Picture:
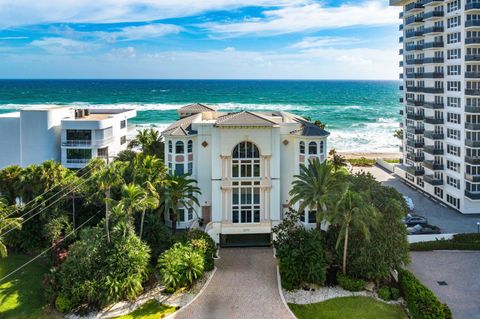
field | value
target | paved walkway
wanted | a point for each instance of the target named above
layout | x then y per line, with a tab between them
244	286
459	269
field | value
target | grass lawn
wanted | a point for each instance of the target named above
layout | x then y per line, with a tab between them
347	308
22	295
150	310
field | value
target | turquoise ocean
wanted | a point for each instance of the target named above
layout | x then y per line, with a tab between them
361	115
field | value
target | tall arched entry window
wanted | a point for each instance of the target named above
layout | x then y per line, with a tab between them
246	183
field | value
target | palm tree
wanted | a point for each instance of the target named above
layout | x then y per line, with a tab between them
352	211
337	160
398	134
314	187
7	223
108	177
136	199
179	191
11	178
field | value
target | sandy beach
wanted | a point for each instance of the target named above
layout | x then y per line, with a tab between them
371	155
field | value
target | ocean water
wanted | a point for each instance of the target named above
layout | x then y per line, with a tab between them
361	115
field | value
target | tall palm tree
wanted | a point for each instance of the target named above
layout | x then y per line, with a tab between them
314	187
149	172
6	223
352	211
108	177
180	191
337	160
136	199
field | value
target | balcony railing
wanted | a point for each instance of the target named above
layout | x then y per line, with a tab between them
433	105
415	130
415	47
411	34
472	178
432	150
432	30
432	180
433	14
400	27
472	57
415	103
474	160
432	165
415	144
88	142
427	2
416	158
472	109
413	6
472	143
472	75
472	6
434	120
425	75
472	195
415	117
472	126
400	51
472	91
472	23
417	171
472	40
434	135
435	44
413	19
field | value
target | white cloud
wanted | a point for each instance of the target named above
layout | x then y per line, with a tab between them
309	17
63	45
229	49
13	38
128	52
27	12
146	31
325	41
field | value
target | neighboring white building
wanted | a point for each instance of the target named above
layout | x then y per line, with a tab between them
61	133
244	163
441	83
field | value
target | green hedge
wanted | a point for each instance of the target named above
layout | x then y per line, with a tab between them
350	284
458	242
362	161
421	301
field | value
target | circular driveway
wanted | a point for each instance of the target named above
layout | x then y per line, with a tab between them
244	286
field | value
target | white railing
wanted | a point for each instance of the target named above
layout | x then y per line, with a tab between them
78	160
88	142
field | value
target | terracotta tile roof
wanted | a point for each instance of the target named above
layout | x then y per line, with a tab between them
308	129
181	127
244	119
196	108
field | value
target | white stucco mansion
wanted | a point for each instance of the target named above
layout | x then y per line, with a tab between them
244	163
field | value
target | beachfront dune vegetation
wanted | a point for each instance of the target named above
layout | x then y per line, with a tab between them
100	230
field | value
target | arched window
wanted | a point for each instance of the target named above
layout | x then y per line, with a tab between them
312	148
302	147
170	146
189	146
179	147
245	161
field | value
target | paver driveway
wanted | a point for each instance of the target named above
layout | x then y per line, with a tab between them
244	286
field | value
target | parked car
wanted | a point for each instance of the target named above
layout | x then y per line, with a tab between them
409	202
411	220
423	230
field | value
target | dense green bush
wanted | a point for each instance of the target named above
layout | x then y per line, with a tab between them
384	293
180	266
209	251
362	161
467	238
302	259
63	304
421	301
350	284
97	273
458	242
156	235
395	293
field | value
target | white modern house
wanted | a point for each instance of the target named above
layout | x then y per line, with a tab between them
61	133
244	163
441	85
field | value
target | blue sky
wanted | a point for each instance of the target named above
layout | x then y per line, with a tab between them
232	39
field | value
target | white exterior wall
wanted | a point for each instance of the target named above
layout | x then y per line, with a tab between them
10	139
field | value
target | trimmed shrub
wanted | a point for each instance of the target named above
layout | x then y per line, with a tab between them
421	301
458	242
180	266
384	293
302	259
467	238
395	293
209	250
63	304
350	284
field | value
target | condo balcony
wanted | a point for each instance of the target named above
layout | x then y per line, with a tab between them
474	160
400	40
414	61
412	7
400	64
432	60
432	180
87	142
415	116
472	6
415	144
400	15
416	158
415	130
472	126
432	150
401	112
433	135
432	2
472	195
472	40
400	27
433	105
472	178
472	143
415	102
413	19
417	171
472	23
415	47
433	30
400	51
472	109
472	75
433	15
432	165
434	120
434	44
475	92
400	87
400	100
425	75
472	57
411	34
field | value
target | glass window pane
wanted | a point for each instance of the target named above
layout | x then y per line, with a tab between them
256	216
235	216
179	147
256	197
179	169
312	216
235	196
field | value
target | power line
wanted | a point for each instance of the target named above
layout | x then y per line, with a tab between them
38	196
48	249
